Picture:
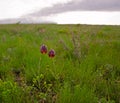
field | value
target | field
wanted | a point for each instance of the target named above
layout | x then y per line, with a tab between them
85	69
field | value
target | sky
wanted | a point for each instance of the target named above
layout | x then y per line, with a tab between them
61	11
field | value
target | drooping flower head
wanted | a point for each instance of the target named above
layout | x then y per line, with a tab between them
43	49
51	53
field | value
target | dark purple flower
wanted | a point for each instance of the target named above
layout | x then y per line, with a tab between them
51	53
43	49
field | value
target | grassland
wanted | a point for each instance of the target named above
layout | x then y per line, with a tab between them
85	69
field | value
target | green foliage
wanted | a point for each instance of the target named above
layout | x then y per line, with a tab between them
78	94
9	92
85	69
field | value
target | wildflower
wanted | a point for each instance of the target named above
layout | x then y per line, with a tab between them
51	53
43	49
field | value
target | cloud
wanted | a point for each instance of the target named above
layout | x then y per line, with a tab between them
27	20
80	5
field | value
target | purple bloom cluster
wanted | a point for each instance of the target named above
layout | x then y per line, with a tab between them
43	50
51	53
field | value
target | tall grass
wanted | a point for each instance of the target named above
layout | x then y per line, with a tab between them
85	69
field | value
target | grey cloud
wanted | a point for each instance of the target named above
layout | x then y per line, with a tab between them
25	21
80	5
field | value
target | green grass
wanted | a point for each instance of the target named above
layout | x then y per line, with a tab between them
85	69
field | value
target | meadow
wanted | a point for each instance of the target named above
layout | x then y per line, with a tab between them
85	69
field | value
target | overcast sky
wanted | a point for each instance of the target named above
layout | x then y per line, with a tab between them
62	11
